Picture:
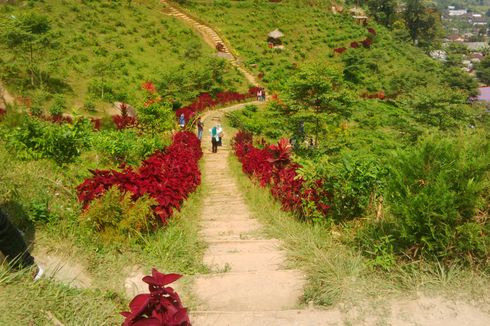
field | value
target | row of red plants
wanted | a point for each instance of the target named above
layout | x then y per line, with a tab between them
206	101
367	42
162	306
168	176
272	166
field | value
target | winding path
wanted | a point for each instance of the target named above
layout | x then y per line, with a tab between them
212	38
249	286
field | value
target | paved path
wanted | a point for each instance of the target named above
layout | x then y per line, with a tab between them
212	38
249	286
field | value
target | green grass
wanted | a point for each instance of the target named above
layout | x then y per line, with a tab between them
312	32
112	44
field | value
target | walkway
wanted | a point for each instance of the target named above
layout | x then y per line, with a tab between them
212	38
248	285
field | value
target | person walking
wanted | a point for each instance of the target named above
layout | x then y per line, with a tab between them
182	121
14	248
214	139
219	130
200	128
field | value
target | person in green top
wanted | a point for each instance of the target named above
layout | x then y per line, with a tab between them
214	139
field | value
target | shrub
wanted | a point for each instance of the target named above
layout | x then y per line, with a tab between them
125	146
35	139
272	166
115	217
162	306
168	177
435	193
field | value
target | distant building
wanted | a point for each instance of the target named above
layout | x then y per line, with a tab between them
457	12
439	55
476	46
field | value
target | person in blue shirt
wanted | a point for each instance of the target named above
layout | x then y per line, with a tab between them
182	121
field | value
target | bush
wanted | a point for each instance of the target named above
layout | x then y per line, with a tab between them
115	217
168	177
36	139
125	146
355	183
435	193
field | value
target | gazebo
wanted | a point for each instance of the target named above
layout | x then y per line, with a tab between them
274	37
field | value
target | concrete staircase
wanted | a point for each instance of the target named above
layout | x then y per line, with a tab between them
249	285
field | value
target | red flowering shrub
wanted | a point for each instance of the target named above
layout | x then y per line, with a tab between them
149	87
367	43
205	101
354	45
168	177
96	122
162	306
58	118
340	50
123	120
371	31
272	166
2	112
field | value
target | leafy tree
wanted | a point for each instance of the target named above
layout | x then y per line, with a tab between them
483	70
317	93
384	11
423	22
438	106
27	34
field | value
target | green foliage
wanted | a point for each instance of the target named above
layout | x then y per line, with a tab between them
384	11
116	218
483	70
125	146
440	107
316	95
36	139
106	50
435	193
354	182
58	106
423	22
156	118
26	34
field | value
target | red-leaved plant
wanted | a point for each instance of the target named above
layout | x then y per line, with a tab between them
168	177
124	120
272	166
161	307
205	101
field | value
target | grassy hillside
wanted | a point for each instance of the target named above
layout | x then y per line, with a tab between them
312	32
103	50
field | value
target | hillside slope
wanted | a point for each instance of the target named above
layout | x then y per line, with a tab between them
103	51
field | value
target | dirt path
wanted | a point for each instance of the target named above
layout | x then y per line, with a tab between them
212	38
248	285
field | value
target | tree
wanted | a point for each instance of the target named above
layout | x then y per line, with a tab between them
483	71
423	22
384	11
317	93
27	35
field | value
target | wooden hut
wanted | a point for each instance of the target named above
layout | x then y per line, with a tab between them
274	38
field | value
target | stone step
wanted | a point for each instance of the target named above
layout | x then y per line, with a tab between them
277	290
246	225
245	262
242	246
269	318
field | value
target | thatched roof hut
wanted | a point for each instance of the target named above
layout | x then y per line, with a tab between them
275	34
